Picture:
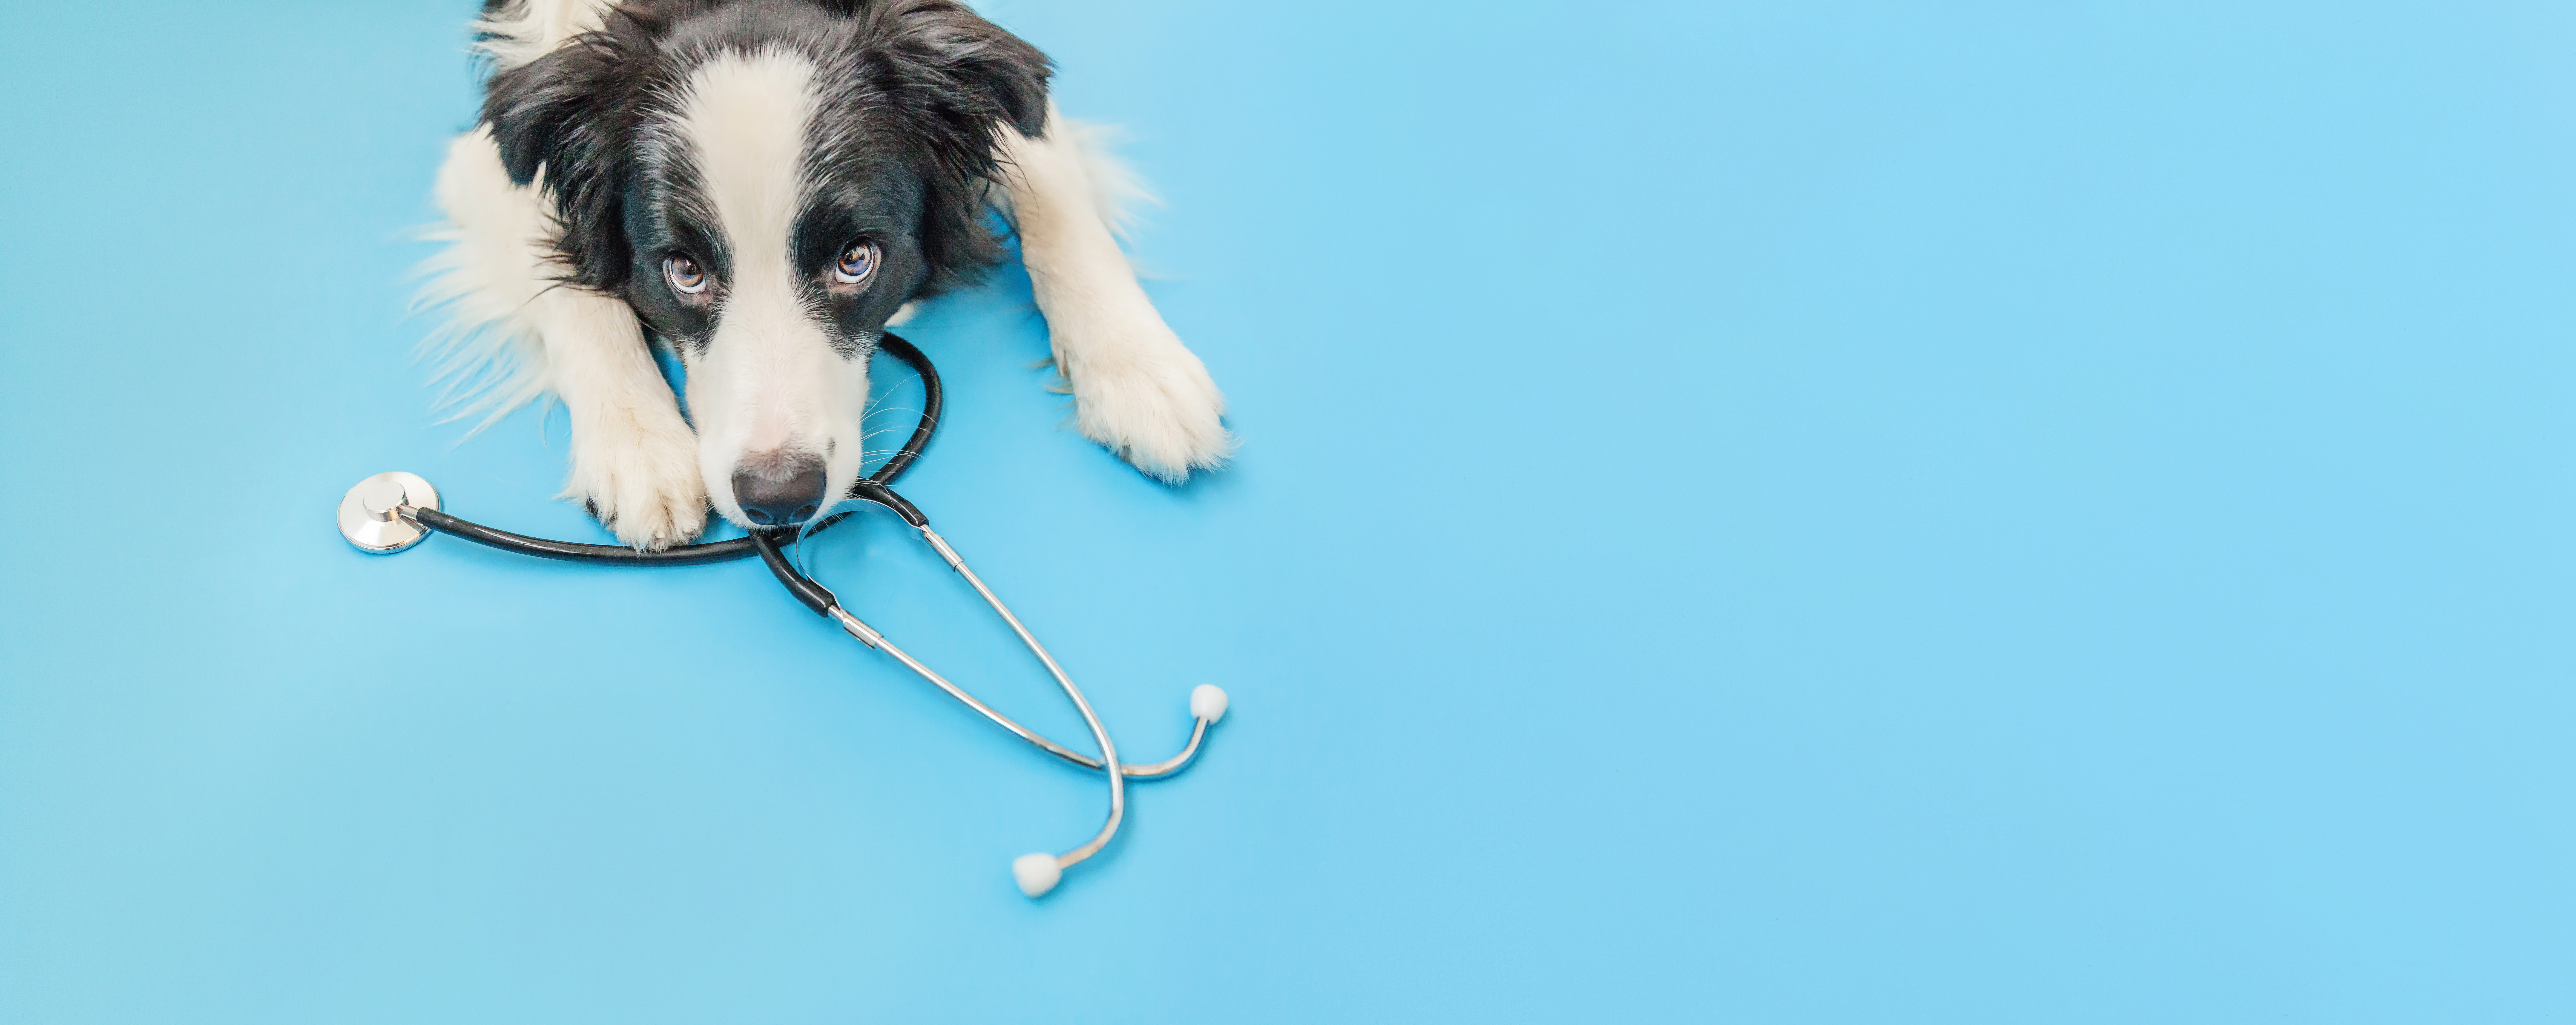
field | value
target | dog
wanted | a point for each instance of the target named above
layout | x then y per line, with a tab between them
766	185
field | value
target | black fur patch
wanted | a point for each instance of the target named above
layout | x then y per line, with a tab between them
913	92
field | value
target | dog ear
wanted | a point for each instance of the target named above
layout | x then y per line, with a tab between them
953	81
969	68
562	121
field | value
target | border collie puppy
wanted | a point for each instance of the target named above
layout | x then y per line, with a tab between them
766	184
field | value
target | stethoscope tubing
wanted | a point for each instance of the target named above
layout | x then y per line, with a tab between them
933	398
1036	872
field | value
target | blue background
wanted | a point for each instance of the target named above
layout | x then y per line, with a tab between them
1747	512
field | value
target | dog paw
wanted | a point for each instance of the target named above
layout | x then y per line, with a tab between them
1148	398
639	476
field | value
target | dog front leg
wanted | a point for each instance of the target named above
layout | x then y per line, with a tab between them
1136	388
634	459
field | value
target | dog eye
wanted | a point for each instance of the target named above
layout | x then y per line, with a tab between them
684	274
857	262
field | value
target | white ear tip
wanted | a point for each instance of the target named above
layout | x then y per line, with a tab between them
1207	702
1037	873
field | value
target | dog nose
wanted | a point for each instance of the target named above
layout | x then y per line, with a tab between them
782	490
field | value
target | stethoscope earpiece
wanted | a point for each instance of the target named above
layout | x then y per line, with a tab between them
1207	703
1036	873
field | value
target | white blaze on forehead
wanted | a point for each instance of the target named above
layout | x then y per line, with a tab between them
770	380
746	117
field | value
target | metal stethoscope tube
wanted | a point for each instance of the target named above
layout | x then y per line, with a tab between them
393	511
870	637
1035	873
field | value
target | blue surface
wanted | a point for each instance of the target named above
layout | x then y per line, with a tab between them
2046	512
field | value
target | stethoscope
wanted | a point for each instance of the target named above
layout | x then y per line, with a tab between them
390	512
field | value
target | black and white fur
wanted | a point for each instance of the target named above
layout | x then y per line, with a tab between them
769	146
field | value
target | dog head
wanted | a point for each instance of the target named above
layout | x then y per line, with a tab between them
766	182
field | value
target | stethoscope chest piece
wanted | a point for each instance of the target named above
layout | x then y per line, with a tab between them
369	516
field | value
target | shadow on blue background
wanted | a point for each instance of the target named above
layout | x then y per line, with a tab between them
2045	512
